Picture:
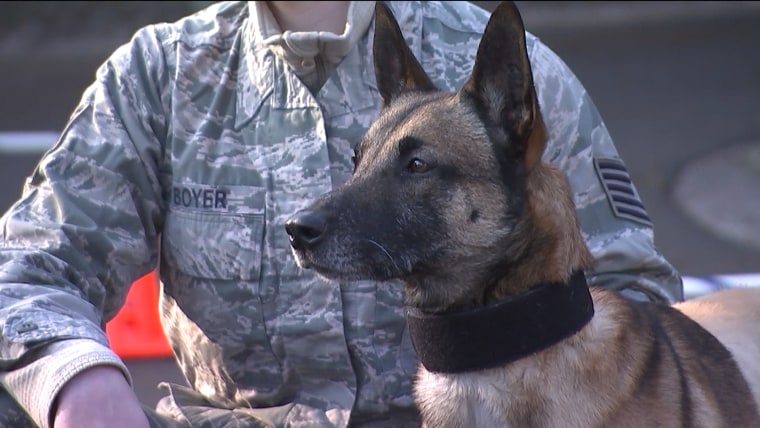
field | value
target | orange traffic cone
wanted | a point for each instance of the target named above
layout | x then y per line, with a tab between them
136	332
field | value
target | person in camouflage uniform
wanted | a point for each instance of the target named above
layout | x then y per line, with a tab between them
194	144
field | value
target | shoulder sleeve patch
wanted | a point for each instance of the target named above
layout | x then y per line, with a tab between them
621	193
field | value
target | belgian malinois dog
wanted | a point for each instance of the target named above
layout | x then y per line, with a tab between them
451	197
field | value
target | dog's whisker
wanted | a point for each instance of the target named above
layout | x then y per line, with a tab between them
386	253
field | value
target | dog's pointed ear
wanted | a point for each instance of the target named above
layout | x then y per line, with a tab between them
501	84
396	68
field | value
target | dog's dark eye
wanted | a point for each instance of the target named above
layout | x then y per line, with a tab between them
418	166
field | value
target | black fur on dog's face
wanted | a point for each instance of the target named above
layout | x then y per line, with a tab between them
438	189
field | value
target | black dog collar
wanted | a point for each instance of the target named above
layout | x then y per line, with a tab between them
489	336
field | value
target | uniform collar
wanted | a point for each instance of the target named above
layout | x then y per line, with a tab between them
264	76
299	49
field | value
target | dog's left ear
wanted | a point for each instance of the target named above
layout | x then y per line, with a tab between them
396	68
501	85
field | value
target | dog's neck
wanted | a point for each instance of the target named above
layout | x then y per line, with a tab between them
553	245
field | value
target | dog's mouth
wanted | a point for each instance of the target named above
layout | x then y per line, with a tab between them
306	260
347	270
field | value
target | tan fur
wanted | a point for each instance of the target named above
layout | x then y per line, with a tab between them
553	214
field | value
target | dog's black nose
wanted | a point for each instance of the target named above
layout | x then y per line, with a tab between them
305	228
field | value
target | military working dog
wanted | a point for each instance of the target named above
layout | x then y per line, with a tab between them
451	196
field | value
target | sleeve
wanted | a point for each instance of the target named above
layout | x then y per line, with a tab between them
612	216
85	228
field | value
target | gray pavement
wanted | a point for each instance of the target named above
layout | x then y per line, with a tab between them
678	84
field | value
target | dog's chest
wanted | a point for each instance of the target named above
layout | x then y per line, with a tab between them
489	398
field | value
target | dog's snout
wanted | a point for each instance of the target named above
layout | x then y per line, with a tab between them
305	228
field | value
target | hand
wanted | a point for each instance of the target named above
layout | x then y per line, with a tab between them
98	397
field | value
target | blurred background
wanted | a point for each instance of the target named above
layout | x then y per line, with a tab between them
678	84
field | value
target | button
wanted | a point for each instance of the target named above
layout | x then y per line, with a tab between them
26	327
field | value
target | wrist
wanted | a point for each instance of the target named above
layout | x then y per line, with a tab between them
87	388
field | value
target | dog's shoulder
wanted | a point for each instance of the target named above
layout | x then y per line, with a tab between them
648	337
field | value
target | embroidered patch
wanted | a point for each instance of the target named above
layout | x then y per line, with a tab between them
621	193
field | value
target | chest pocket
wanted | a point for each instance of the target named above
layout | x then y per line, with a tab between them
213	245
223	242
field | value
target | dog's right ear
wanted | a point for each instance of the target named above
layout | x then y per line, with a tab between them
396	68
